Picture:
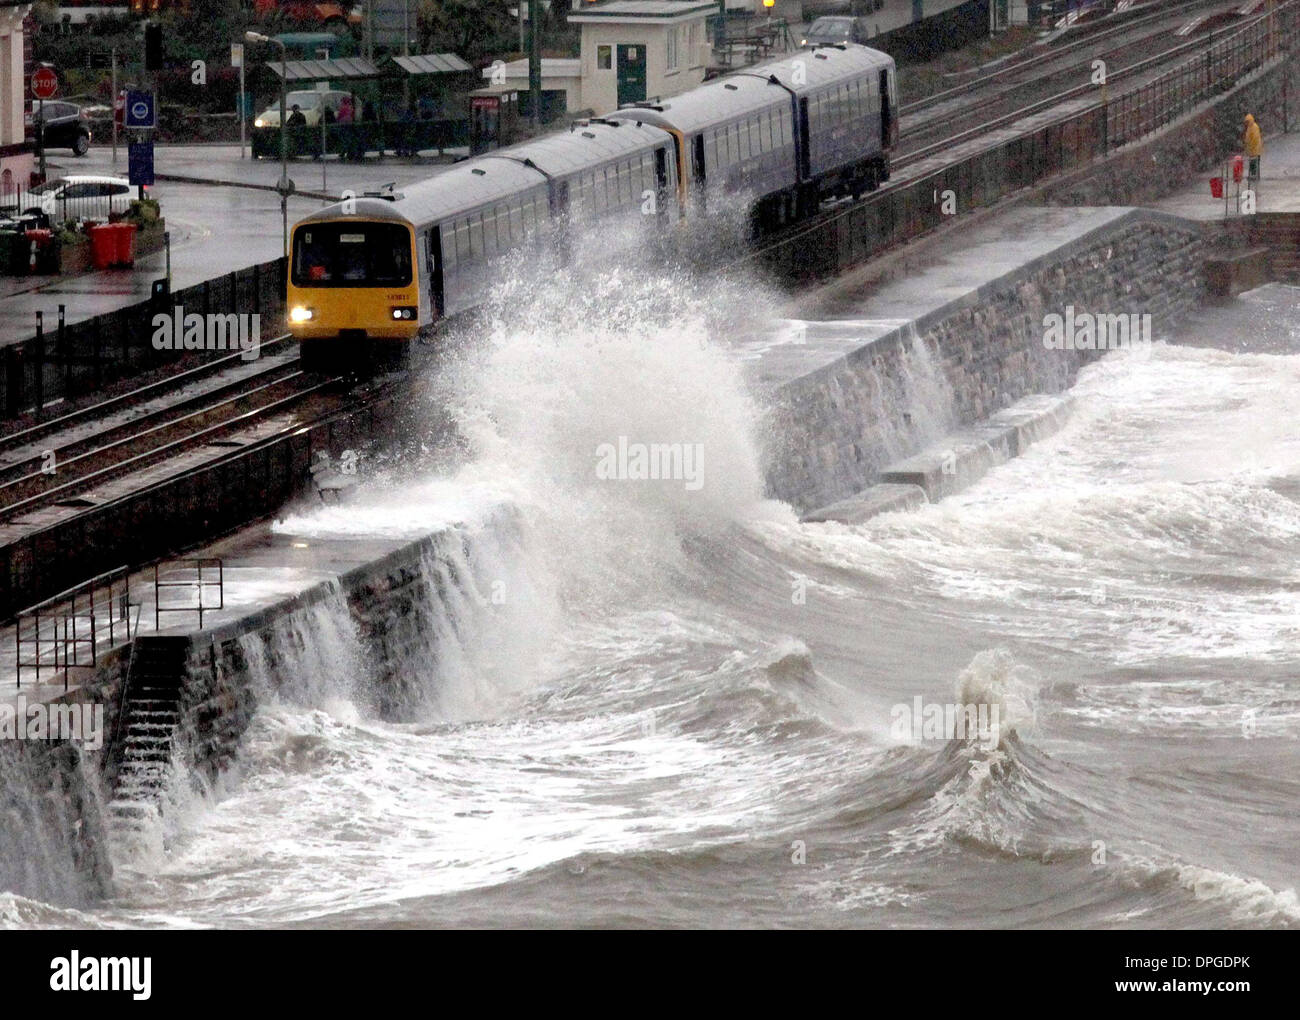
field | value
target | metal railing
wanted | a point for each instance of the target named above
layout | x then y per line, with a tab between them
198	583
902	211
1147	108
65	630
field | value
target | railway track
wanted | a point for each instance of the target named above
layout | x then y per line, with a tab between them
1068	50
1008	94
57	462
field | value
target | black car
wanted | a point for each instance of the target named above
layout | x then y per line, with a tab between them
833	31
814	9
65	126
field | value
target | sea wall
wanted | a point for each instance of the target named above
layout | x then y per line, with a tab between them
833	430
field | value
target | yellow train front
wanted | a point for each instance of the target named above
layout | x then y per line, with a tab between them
353	296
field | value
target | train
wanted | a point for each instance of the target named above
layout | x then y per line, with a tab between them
786	135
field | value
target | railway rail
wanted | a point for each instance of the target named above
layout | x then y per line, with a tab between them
979	110
56	461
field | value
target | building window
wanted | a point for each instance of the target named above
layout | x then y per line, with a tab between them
672	48
604	58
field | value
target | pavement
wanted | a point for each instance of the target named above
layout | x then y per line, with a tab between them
1278	190
222	214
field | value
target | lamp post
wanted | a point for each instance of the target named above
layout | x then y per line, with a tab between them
285	186
324	54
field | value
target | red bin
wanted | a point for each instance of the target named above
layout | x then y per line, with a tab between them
1216	187
125	246
1237	168
103	246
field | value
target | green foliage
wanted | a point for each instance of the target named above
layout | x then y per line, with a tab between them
144	211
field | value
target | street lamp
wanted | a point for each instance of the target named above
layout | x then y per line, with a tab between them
324	54
285	187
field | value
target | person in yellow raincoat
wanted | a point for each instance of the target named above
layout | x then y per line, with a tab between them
1254	146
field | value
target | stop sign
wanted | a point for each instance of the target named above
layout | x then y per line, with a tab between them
45	83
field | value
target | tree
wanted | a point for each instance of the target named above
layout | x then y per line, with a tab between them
471	28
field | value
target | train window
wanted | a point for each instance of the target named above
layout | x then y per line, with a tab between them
352	254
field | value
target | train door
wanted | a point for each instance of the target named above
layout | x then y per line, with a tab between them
886	111
433	265
661	182
805	155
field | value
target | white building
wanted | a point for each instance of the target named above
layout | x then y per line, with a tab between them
635	50
558	74
15	155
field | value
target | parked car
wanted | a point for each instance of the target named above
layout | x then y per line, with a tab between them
311	104
80	198
814	9
66	126
830	31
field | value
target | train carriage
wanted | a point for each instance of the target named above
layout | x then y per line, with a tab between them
783	135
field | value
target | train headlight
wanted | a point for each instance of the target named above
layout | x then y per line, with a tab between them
259	123
300	314
406	314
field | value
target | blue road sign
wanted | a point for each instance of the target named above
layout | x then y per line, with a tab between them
141	110
139	162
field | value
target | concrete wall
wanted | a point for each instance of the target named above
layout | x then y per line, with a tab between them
834	430
1160	164
52	830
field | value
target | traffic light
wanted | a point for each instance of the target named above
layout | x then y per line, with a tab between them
153	60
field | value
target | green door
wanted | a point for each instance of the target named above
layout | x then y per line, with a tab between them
631	74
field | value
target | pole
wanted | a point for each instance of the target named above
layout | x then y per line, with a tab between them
114	106
324	54
242	104
284	140
40	135
535	59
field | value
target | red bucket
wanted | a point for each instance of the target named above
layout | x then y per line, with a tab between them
1216	187
1236	168
103	246
125	246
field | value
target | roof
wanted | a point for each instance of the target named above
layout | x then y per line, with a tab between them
345	68
821	65
366	208
588	145
466	186
719	100
552	67
432	63
643	10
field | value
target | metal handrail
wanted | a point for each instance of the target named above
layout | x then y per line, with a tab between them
66	612
197	583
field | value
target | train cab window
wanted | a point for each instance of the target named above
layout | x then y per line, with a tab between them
352	254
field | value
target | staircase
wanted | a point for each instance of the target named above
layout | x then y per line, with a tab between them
1280	234
150	713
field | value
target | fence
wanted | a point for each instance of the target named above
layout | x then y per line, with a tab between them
353	141
56	203
73	359
63	633
897	214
